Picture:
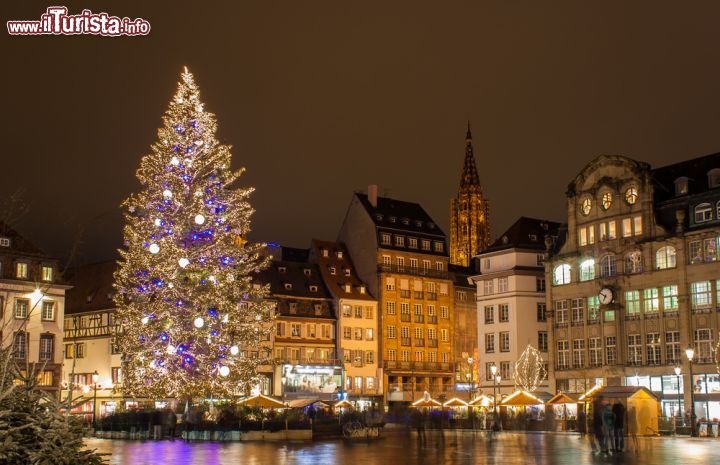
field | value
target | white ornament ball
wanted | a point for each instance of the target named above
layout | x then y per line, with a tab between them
183	262
234	350
158	222
170	349
224	371
175	161
199	322
154	248
167	194
199	219
145	320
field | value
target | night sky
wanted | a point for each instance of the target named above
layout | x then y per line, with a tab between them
322	98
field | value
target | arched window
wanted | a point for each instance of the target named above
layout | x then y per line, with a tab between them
633	262
665	258
681	186
561	274
703	213
714	178
587	270
607	266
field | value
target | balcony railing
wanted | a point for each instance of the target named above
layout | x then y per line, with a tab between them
419	319
413	271
418	294
651	316
578	323
432	319
405	317
405	293
594	321
412	366
405	341
419	342
702	310
432	295
432	342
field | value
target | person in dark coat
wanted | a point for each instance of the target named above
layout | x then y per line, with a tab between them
597	424
581	425
618	410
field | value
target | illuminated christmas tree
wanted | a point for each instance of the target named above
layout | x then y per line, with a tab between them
185	295
529	369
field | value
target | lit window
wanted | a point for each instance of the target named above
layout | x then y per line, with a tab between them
439	246
633	262
21	270
670	297
400	241
632	302
561	274
385	237
631	195
665	258
627	227
651	300
586	206
637	223
47	273
607	266
681	186
48	310
606	201
587	270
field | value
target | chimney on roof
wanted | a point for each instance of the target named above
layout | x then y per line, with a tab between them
372	194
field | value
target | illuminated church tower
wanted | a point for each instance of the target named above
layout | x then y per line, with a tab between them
469	213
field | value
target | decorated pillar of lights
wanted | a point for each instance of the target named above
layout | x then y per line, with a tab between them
186	299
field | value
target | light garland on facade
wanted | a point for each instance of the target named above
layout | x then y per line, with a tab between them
529	369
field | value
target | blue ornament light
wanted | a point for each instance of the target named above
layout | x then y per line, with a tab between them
212	312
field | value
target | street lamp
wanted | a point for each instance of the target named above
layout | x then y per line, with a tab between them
493	371
95	377
470	377
678	370
690	353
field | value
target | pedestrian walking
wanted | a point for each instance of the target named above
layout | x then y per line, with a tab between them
618	410
597	425
581	425
608	422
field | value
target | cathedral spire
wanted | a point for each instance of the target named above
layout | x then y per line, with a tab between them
469	176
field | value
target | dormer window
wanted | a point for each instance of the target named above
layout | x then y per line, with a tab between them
282	269
379	216
431	225
339	254
362	289
313	288
418	223
4	242
681	186
392	219
399	241
412	242
532	237
332	270
714	178
47	273
288	286
348	288
293	307
21	270
385	238
306	271
318	309
324	252
405	221
347	271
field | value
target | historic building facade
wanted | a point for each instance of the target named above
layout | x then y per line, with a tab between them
465	335
511	305
32	305
469	213
304	345
636	281
356	332
88	340
401	254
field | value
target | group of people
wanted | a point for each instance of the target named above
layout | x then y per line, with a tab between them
609	422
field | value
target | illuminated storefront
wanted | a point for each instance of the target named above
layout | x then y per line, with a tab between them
311	381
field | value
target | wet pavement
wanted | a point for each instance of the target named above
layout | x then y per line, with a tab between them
399	449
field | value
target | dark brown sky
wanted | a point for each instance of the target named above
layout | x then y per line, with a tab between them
320	98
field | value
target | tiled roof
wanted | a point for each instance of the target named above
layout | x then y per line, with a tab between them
525	233
18	244
336	282
695	170
400	215
92	288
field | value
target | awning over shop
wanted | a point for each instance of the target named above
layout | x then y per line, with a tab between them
426	401
482	401
302	403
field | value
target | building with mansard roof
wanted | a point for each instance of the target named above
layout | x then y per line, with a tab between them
635	282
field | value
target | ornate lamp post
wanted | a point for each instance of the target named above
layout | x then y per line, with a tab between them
470	378
690	353
493	371
678	370
95	377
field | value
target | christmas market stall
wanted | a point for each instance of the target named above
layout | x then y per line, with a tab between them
263	402
562	410
522	410
642	407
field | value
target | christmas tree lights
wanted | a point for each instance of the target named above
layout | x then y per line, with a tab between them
186	300
529	369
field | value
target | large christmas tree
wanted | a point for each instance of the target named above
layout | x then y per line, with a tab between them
186	300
